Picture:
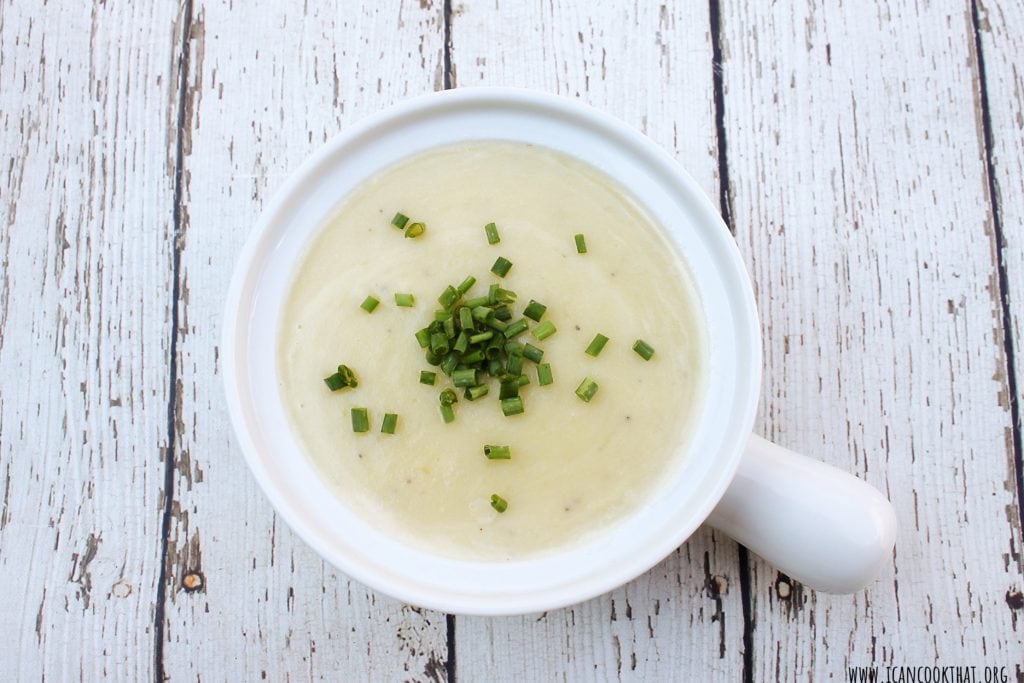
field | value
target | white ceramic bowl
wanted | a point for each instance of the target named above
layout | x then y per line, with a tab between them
310	507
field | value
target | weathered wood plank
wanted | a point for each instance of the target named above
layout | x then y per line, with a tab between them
1000	29
859	194
85	225
269	82
651	66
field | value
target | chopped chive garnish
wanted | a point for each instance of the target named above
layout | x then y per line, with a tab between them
586	389
498	503
433	358
482	313
439	343
449	328
596	345
415	230
509	389
404	299
369	303
462	343
344	377
423	338
512	406
544	330
473	357
360	420
483	336
450	362
503	312
492	233
464	378
494	367
498	325
581	244
447	397
522	380
389	424
441	316
505	296
514	364
448	297
643	349
533	353
476	301
517	327
535	311
447	413
466	318
497	452
465	285
427	377
501	266
544	374
400	220
473	393
513	346
492	294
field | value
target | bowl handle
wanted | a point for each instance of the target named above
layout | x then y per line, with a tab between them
820	525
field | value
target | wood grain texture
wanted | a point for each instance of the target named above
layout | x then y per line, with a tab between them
268	83
999	32
860	202
85	197
650	65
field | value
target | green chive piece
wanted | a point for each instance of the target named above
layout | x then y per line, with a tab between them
447	413
462	343
344	377
439	343
423	338
464	378
532	353
596	345
473	357
643	349
389	424
497	452
498	325
514	364
476	301
448	297
501	266
512	406
449	328
427	377
405	300
535	311
506	296
465	285
450	362
544	374
415	229
508	389
517	327
483	313
400	220
447	397
498	503
522	380
441	316
513	346
360	420
369	303
494	367
433	358
483	336
466	318
473	393
586	389
544	330
492	294
503	312
492	233
581	244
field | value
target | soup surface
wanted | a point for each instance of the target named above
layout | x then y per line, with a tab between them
576	467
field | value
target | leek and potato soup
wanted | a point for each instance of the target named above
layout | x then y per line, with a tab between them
490	352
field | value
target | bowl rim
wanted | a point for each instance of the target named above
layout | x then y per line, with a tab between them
572	109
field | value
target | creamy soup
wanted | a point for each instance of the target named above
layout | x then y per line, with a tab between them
575	467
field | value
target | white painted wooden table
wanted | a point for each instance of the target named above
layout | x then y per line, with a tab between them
868	157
